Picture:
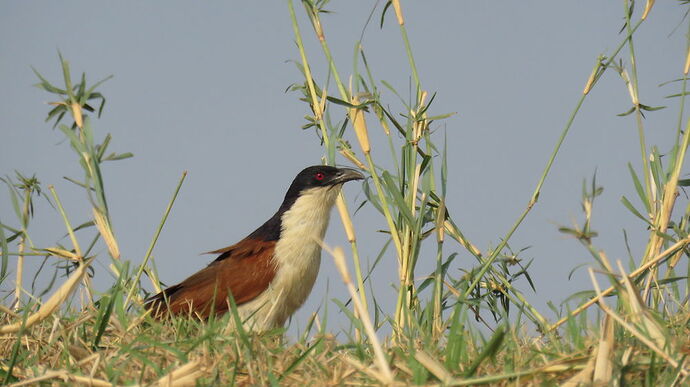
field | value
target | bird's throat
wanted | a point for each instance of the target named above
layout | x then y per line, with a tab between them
297	255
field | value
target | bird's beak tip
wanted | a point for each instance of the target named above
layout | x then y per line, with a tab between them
347	174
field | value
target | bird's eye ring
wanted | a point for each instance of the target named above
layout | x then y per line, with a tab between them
319	176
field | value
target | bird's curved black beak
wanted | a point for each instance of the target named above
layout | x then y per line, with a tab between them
346	174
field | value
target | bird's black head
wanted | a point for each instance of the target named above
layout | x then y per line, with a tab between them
320	176
314	177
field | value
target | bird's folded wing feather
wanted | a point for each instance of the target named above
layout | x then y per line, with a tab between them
243	270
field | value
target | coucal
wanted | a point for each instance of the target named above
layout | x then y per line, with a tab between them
270	273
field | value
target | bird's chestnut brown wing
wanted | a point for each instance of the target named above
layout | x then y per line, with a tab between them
244	270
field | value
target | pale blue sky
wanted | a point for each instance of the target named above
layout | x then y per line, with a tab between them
201	87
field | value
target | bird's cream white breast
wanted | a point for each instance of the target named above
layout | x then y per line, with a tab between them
297	258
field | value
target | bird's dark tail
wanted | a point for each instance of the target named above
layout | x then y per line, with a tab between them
158	304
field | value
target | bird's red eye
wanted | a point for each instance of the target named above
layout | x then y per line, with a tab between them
319	176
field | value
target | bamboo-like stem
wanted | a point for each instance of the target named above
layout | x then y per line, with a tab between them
352	238
438	282
20	275
25	216
406	291
679	131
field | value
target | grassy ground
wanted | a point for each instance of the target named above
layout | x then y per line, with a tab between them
632	328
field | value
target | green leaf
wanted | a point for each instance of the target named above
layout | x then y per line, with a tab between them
90	92
79	183
14	197
632	109
426	107
67	78
651	108
394	121
441	116
84	225
4	255
678	95
383	13
57	109
573	270
657	169
638	187
488	351
74	141
456	338
299	359
392	188
81	89
338	101
104	311
47	86
371	196
122	156
632	209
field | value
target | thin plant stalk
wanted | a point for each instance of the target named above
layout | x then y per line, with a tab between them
147	256
535	195
313	13
20	274
73	238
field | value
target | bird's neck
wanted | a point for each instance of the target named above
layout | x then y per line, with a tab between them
307	218
297	254
304	213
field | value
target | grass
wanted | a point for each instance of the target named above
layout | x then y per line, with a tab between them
478	328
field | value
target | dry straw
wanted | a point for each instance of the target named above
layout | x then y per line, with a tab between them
380	357
53	303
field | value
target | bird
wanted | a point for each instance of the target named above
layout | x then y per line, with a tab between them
270	273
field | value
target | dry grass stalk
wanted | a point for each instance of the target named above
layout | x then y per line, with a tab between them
374	374
360	126
53	302
398	12
603	367
450	230
9	311
58	252
185	375
582	378
647	8
345	217
639	313
380	357
633	330
20	274
347	153
433	366
651	263
107	233
66	377
76	113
